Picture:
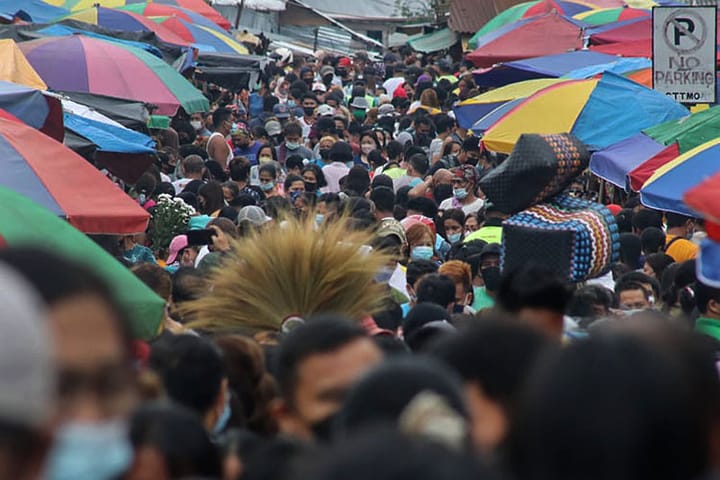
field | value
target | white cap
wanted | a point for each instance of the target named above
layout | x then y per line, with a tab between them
325	111
319	87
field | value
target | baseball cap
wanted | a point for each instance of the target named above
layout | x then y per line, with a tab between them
390	227
360	103
177	244
386	110
253	214
273	128
325	111
327	70
281	110
27	382
344	62
490	249
319	87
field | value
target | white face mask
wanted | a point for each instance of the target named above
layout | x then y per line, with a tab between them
367	148
196	124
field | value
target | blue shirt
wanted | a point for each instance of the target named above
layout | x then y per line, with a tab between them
139	254
250	152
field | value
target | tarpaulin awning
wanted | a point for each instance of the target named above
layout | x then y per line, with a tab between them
434	42
128	113
230	71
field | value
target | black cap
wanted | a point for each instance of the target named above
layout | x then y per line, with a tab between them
490	249
341	152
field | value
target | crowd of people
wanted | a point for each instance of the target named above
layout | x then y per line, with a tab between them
336	308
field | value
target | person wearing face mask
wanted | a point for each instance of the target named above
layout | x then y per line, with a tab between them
452	225
359	107
461	275
268	180
464	183
198	124
368	143
309	103
314	179
323	148
292	144
484	296
420	242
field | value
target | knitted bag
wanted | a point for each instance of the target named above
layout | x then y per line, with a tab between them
576	238
540	167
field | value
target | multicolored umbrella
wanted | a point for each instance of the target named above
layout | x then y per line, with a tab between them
608	15
16	69
35	11
600	112
52	175
203	38
527	10
33	108
537	36
155	9
83	64
126	21
24	223
664	190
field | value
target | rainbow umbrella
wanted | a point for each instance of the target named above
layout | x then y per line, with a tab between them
25	223
125	21
203	38
665	188
160	10
82	64
608	15
529	9
599	111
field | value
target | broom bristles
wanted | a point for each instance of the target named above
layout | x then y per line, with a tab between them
292	270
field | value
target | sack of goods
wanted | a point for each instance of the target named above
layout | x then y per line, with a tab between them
540	167
576	238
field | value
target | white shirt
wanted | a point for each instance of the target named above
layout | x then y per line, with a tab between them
472	207
181	184
333	173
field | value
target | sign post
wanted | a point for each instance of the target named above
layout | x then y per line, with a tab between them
684	46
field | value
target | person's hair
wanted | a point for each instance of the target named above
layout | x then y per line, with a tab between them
642	278
273	152
424	205
214	199
624	220
268	168
630	250
645	218
294	162
319	175
155	277
383	198
629	285
188	284
219	116
309	96
443	123
429	98
269	101
290	179
652	240
227	225
277	207
320	335
358	180
675	220
453	214
436	288
459	272
416	232
471	144
193	164
331	199
191	370
533	286
372	136
250	381
180	438
703	295
376	159
233	187
419	268
447	148
584	298
146	184
425	324
419	162
659	262
393	149
292	128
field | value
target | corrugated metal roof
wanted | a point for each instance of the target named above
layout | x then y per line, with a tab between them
358	9
434	42
329	38
467	16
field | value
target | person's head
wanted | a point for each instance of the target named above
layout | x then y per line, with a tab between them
316	364
421	242
652	240
470	152
624	220
324	146
358	180
155	277
495	359
680	225
170	442
416	271
464	182
645	218
268	177
418	165
472	223
632	295
193	167
591	302
294	164
192	372
329	205
707	299
293	185
369	142
210	198
655	265
341	152
452	225
293	135
222	121
459	272
630	250
437	289
313	177
267	154
421	206
394	151
384	200
536	295
425	324
309	104
239	169
230	192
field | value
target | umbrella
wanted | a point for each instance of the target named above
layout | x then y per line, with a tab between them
609	15
31	10
621	32
632	161
160	10
83	64
469	111
204	38
537	36
125	21
15	68
526	10
665	188
25	223
33	108
199	6
599	112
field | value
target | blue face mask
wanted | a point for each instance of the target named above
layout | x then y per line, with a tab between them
454	237
421	252
222	420
89	451
460	193
319	219
266	187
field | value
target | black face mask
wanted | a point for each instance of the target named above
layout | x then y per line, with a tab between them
308	111
324	153
491	277
323	429
327	80
310	186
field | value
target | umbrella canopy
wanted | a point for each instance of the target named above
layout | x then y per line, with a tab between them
609	15
50	174
33	108
621	32
160	10
126	21
24	223
204	38
16	69
599	112
547	66
201	7
665	188
537	36
471	110
83	64
526	10
31	10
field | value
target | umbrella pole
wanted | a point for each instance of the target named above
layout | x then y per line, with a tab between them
239	14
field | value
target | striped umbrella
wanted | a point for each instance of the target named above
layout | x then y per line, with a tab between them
203	38
160	10
82	64
609	15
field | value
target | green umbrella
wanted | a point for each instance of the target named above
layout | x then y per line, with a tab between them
689	132
24	223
